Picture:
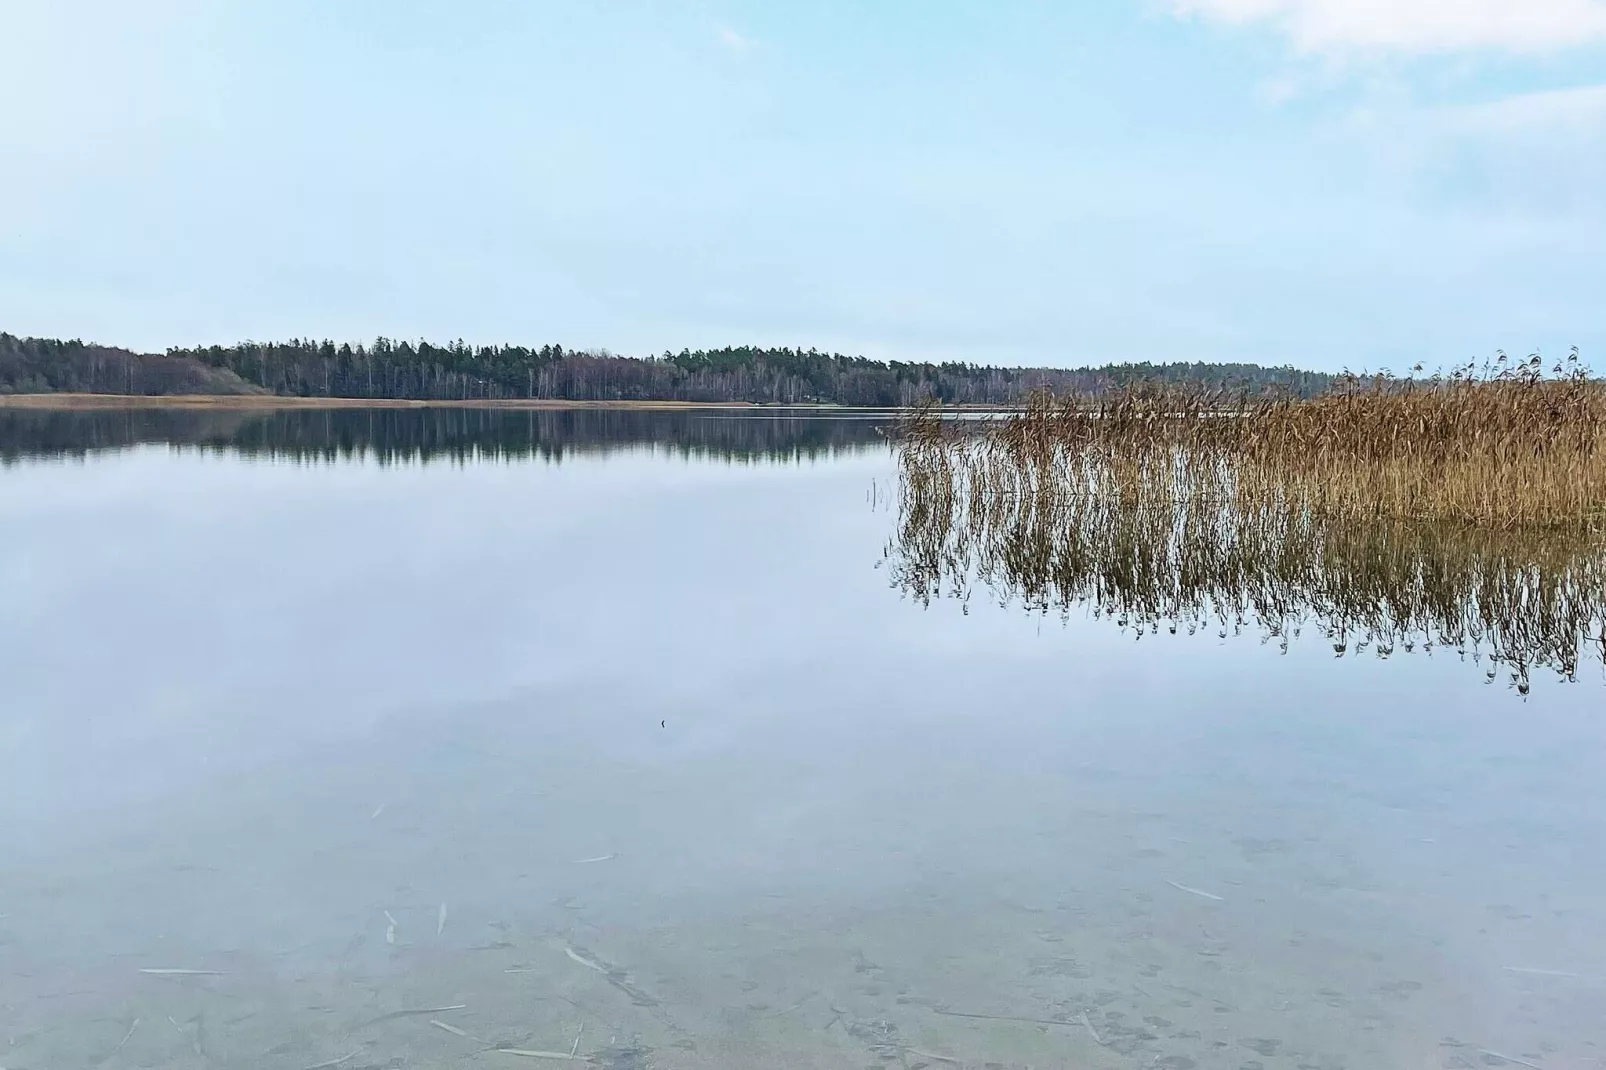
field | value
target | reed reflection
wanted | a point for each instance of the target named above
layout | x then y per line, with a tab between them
1167	548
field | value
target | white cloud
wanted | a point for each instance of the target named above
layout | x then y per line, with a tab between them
733	40
1278	90
1578	113
1536	155
1550	145
1416	26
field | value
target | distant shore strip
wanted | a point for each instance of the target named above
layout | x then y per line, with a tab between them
279	401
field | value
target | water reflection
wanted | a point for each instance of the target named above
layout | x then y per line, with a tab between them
1508	600
640	761
439	434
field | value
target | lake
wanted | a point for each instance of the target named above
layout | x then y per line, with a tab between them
433	737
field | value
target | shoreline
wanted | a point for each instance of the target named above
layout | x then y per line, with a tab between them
86	402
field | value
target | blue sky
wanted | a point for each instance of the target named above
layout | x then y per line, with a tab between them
1329	183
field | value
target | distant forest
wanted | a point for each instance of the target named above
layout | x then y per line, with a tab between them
460	372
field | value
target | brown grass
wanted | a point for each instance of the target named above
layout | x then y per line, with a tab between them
1463	512
1505	450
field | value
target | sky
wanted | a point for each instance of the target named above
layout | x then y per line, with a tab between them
1327	183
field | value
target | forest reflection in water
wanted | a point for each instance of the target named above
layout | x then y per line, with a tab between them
452	434
1509	601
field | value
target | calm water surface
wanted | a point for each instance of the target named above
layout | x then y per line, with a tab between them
608	734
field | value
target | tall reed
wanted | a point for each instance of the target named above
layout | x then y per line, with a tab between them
1505	449
1463	512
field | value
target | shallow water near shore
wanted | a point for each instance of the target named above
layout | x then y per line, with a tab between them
428	741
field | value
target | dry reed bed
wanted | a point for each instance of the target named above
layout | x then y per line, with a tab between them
1511	450
1463	514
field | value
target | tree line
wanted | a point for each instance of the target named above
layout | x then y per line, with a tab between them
51	366
388	368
